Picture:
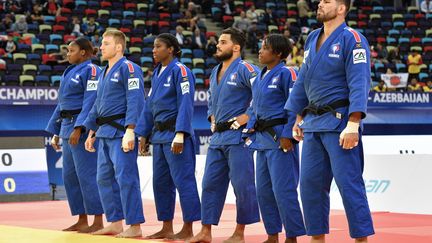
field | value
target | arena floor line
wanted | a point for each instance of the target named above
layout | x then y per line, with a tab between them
36	222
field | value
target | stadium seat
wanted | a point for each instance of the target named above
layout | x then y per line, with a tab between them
128	15
11	80
198	72
56	39
26	80
30	69
33	58
146	62
19	58
401	68
186	53
42	81
198	63
51	48
55	80
59	29
45	70
103	13
48	19
45	29
198	53
14	69
142	7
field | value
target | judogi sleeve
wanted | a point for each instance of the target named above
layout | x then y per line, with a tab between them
185	87
90	92
145	122
134	86
291	116
357	66
210	102
248	74
54	123
90	121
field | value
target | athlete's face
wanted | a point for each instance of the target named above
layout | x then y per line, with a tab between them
224	48
327	10
109	47
74	54
161	51
266	54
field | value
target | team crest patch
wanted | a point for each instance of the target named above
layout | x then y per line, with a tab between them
115	77
76	79
168	82
184	87
359	56
92	85
133	83
274	82
306	54
335	48
232	79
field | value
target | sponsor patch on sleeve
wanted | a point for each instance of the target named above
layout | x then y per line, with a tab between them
92	85
359	56
184	87
133	83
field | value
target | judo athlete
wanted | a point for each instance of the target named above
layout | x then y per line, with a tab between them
77	93
269	133
330	99
167	117
228	159
120	99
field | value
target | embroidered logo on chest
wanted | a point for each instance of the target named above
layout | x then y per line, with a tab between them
76	79
274	83
115	77
232	79
168	82
335	48
306	54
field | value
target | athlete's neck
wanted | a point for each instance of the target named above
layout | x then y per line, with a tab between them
273	64
331	25
167	61
227	63
114	60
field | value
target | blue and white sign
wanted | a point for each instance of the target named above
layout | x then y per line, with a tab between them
23	171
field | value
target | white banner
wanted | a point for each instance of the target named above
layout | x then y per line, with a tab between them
22	160
396	173
395	183
395	80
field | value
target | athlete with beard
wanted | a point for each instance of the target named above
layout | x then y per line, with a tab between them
330	99
228	159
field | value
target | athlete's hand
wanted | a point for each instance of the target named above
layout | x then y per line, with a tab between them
297	132
91	138
177	143
75	136
238	121
349	137
143	146
55	142
128	141
285	144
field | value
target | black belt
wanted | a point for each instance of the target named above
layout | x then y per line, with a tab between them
69	113
319	110
166	125
267	126
223	126
111	121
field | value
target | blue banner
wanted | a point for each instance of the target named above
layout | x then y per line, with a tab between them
400	99
24	183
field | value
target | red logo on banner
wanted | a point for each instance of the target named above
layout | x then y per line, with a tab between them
395	80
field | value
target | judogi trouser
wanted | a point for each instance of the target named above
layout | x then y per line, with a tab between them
79	176
118	182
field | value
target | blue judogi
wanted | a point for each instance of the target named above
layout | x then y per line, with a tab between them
227	157
277	172
77	92
171	99
339	70
121	91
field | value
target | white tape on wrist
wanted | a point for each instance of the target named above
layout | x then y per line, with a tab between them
179	138
128	137
352	127
53	139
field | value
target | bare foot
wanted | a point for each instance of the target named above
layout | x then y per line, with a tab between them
272	239
182	235
114	228
204	236
162	234
133	232
92	228
235	239
291	240
77	227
